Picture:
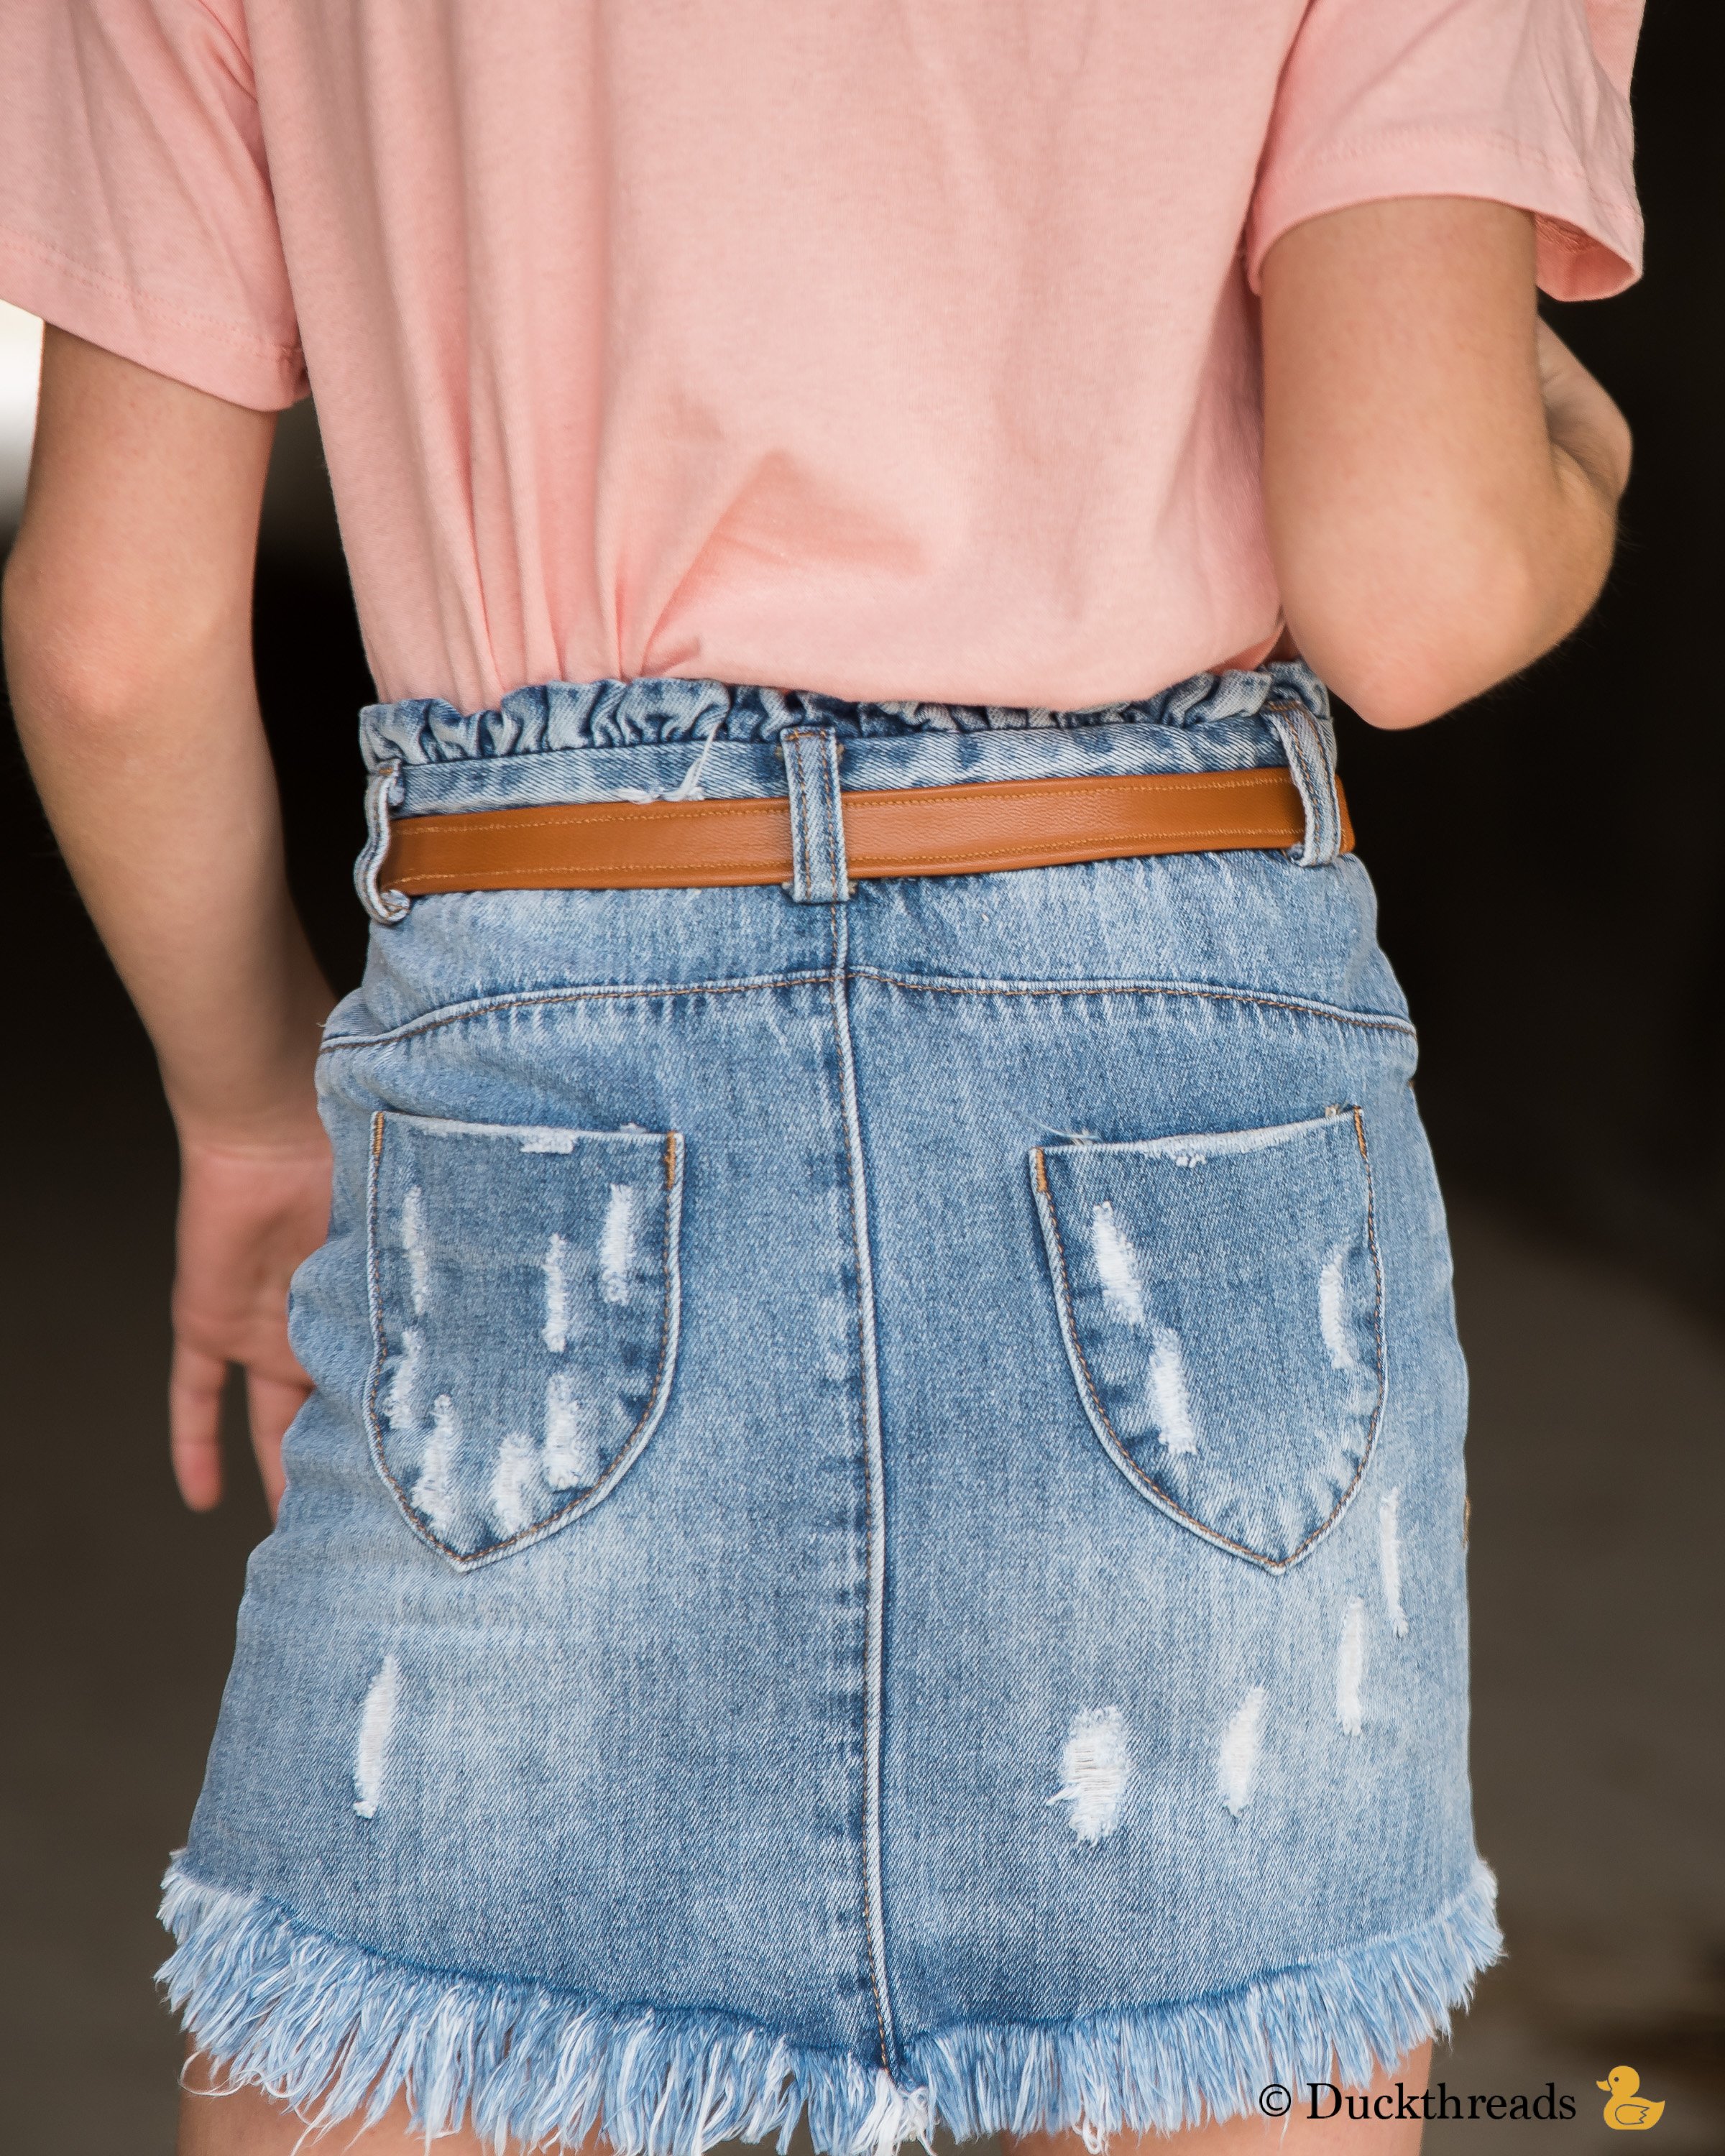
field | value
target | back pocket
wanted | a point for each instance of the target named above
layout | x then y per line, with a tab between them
524	1317
1220	1300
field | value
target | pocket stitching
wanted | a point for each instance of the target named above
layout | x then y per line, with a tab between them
632	1446
1097	1414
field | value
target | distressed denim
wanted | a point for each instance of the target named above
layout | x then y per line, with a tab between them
880	1535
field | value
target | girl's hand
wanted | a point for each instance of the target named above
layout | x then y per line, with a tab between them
249	1213
1584	423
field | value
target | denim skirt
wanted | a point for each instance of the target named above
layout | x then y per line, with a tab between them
880	1538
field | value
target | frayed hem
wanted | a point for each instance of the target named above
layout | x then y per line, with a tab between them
1165	2067
339	2033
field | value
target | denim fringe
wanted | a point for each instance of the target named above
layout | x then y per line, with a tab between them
339	2032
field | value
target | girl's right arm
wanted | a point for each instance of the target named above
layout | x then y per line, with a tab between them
128	654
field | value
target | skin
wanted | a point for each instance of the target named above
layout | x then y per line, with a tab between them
1441	479
1441	474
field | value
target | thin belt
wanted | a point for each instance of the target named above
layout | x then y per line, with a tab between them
899	831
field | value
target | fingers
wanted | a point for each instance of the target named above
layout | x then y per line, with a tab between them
1558	366
195	1384
1583	417
196	1381
272	1404
246	1222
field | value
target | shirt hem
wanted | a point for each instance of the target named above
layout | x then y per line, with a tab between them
1588	240
185	346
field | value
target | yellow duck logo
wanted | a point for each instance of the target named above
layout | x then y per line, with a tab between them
1625	2110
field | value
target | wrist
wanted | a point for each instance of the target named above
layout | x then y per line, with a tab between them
255	1106
282	1127
1570	558
1586	459
244	1077
1586	427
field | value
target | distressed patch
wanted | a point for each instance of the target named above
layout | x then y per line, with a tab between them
555	1332
1117	1266
1332	1313
401	1402
1170	1408
1351	1666
435	1486
1248	1262
1389	1560
1237	1755
538	1267
1095	1769
571	1458
412	1244
617	1243
371	1746
512	1481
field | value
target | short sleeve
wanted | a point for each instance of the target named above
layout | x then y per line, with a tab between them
135	209
1518	102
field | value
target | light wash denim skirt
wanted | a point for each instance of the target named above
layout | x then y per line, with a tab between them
880	1534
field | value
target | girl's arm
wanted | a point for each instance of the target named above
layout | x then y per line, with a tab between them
127	616
1442	474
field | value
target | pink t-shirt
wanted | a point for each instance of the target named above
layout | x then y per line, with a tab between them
845	345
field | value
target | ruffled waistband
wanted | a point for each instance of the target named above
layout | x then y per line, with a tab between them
563	715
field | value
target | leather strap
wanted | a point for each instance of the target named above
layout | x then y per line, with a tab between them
914	830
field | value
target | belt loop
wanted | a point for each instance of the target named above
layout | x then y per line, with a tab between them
384	791
1310	745
818	869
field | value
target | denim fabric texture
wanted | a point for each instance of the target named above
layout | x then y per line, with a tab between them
880	1536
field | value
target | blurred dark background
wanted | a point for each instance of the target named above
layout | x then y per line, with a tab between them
1552	886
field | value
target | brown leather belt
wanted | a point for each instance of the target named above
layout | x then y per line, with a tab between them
900	831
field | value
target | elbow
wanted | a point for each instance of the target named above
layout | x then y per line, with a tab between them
1401	645
60	663
1393	681
84	662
